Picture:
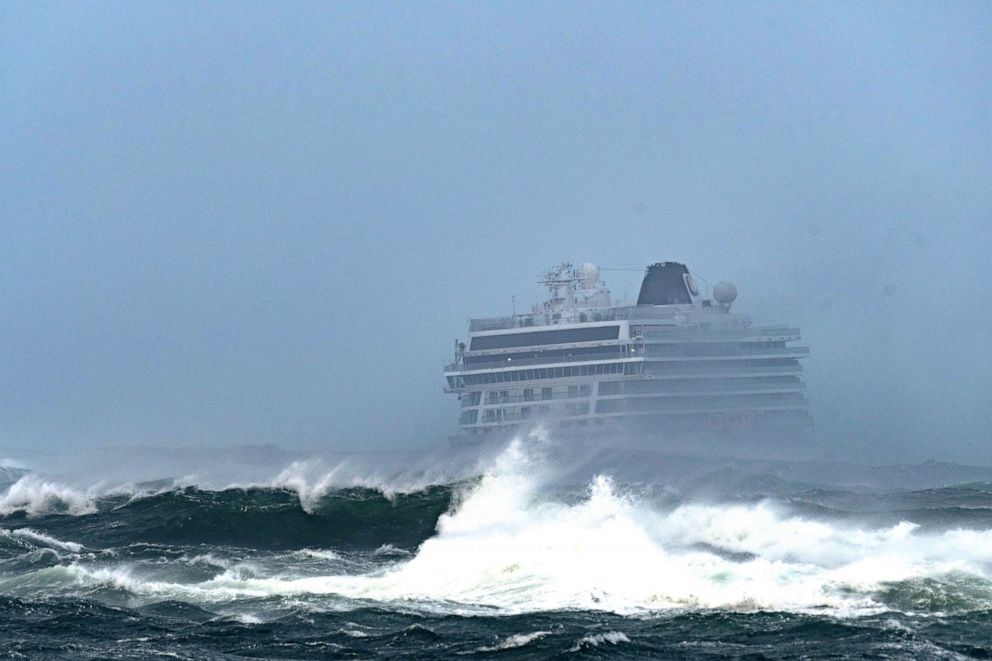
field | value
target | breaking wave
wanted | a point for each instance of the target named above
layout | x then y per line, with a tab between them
504	543
34	496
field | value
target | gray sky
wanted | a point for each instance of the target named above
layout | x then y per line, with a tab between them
265	223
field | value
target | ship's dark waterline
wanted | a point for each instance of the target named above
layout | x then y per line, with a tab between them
501	566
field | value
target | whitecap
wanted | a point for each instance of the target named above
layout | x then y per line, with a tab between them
515	641
597	639
43	539
36	496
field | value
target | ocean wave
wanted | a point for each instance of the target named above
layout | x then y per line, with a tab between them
509	542
36	496
259	518
507	545
41	539
515	641
597	639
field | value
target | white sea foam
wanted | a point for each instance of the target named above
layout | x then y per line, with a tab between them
313	479
43	539
510	546
207	559
595	640
316	554
388	550
37	496
309	479
515	641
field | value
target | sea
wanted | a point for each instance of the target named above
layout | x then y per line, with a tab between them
516	552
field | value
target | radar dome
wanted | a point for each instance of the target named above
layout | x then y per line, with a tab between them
588	274
725	293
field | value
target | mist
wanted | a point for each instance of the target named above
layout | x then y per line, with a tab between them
227	224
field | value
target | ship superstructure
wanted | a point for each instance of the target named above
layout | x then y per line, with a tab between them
675	363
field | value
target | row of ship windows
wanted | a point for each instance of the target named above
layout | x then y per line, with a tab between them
564	424
535	338
701	402
702	386
712	348
522	413
527	395
544	373
512	414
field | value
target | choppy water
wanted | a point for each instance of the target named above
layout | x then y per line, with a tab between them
508	564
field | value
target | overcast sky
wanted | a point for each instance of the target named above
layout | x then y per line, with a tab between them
226	223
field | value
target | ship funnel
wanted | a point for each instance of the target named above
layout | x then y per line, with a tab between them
665	284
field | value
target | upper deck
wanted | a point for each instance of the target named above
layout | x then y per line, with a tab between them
678	315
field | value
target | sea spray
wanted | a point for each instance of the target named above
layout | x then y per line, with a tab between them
36	496
509	541
513	560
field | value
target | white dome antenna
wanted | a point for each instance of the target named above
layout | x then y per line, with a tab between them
724	293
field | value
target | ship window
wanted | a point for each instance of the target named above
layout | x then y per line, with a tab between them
504	396
546	393
468	417
524	411
573	391
528	394
607	405
585	390
535	338
609	387
473	398
491	397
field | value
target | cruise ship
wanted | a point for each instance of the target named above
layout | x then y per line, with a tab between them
677	365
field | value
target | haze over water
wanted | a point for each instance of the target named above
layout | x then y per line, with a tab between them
213	215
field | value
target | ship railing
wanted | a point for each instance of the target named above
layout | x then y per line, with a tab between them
504	323
658	352
677	313
530	362
718	333
652	370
